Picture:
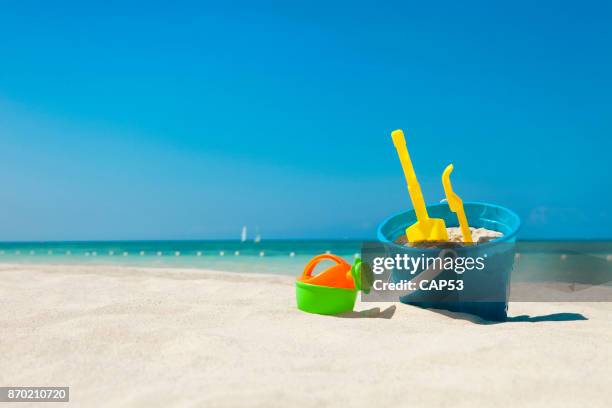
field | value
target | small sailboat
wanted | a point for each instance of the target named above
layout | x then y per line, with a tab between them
257	239
243	234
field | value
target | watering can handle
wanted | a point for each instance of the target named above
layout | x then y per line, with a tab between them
314	261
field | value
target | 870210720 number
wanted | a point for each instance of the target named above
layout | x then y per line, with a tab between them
34	394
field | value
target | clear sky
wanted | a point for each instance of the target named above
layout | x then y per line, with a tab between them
148	120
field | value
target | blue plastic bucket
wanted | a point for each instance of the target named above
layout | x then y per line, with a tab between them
486	291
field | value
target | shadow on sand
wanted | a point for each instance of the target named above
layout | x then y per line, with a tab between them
553	317
373	313
377	313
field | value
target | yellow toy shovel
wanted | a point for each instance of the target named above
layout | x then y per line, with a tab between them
456	205
425	229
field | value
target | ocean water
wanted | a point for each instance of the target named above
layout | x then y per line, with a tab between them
538	260
270	256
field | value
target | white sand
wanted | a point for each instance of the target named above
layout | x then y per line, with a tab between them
153	337
478	234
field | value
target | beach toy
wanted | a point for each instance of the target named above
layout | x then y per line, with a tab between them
456	204
486	291
333	291
338	276
425	228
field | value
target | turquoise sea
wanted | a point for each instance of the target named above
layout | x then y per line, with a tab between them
539	260
270	256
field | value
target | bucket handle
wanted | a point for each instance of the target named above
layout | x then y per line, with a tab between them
314	261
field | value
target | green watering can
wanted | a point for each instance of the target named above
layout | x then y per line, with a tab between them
333	291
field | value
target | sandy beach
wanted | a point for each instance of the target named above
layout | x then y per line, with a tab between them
122	336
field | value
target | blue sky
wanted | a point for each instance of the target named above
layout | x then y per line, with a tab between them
166	120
